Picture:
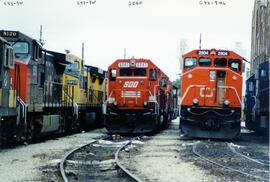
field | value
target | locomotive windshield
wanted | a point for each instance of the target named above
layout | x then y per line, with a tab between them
190	63
125	72
20	47
235	64
132	72
73	66
21	51
204	61
220	62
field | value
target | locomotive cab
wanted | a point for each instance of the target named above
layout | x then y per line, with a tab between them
8	111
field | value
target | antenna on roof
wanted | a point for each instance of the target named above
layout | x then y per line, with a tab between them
82	57
41	41
82	50
125	53
200	42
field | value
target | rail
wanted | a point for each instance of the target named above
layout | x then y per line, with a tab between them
116	157
62	163
196	152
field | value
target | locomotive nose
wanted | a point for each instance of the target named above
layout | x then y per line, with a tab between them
132	92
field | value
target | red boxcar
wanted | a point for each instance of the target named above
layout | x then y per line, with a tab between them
211	94
139	97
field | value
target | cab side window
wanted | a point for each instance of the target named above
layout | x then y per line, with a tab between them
153	75
235	65
113	73
190	63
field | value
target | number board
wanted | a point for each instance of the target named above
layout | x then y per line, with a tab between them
71	82
203	52
222	53
14	34
141	65
123	65
137	65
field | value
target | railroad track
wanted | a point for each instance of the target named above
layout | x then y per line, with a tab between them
97	160
222	154
262	162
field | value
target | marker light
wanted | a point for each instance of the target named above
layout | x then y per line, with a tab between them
226	102
195	101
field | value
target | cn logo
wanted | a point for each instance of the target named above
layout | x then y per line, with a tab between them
207	92
131	84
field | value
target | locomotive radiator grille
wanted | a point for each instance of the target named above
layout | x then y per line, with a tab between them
131	94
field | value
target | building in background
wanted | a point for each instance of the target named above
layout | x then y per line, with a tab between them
257	92
260	40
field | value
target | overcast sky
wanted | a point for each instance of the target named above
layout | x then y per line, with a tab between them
152	30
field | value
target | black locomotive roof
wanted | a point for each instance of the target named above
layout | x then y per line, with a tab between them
59	58
95	70
16	35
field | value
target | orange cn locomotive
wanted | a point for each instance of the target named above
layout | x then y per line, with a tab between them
139	97
211	94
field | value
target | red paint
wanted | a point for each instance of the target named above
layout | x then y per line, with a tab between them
23	85
199	76
130	93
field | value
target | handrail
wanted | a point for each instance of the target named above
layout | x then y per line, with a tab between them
24	109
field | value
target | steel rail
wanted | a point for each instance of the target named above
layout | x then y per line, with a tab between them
222	166
249	158
116	157
62	163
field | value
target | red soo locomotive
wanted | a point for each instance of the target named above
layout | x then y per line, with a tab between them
211	94
140	97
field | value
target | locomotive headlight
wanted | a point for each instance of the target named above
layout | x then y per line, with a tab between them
115	103
234	78
189	76
195	101
145	103
141	82
111	100
226	102
120	82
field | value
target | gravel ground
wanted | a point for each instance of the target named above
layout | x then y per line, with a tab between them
159	159
25	163
168	157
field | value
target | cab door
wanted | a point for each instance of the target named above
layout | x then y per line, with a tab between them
8	96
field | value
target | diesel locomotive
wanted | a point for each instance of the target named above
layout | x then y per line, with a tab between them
211	94
257	100
38	96
89	90
140	97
